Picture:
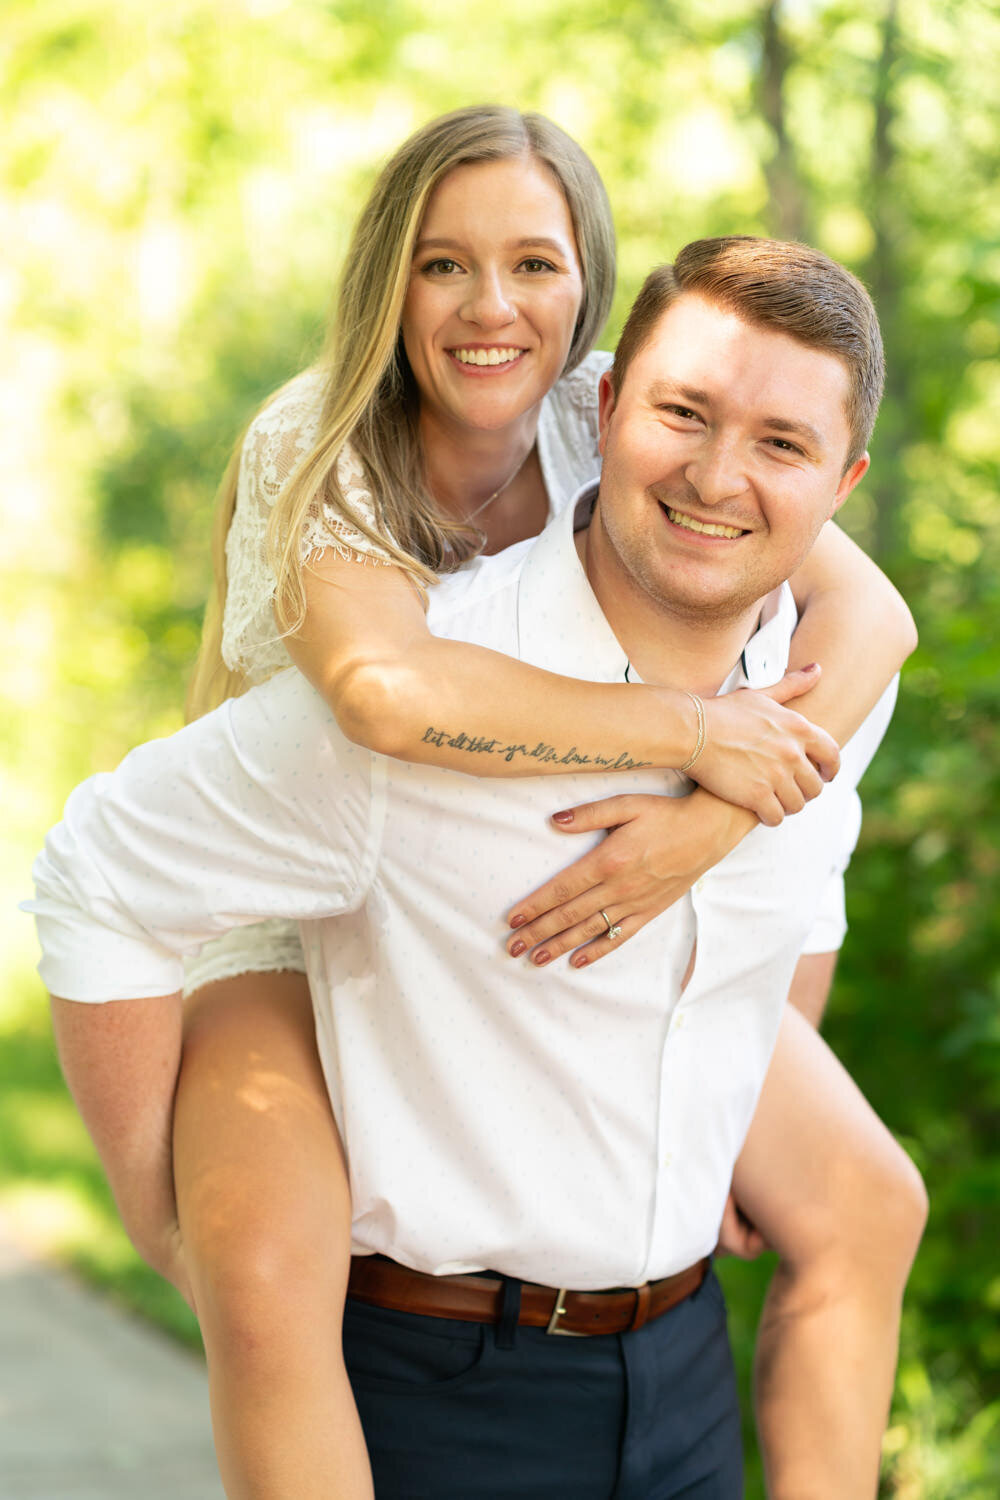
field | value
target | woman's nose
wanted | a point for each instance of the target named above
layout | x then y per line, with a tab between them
489	303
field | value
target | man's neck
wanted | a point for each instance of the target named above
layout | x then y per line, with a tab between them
667	647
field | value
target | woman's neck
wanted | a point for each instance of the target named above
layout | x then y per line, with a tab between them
471	471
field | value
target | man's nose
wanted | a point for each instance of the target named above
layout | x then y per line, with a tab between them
489	303
718	470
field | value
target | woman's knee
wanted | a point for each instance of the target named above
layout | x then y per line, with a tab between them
873	1216
262	1190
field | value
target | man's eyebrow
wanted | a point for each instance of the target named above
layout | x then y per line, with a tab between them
797	429
668	390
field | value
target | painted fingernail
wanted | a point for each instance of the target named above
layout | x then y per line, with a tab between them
563	817
541	958
518	919
517	949
581	961
812	667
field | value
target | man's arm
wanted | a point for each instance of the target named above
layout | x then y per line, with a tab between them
233	816
121	1063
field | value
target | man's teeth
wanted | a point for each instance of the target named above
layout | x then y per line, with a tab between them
486	356
690	524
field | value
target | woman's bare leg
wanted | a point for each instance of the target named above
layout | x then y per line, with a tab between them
264	1208
841	1202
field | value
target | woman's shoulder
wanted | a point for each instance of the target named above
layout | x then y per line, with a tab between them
568	429
575	394
281	434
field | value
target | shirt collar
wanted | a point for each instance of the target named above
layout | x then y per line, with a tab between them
561	625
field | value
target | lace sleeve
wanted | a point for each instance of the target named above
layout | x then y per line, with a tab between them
277	441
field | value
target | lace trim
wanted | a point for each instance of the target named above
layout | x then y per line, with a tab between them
277	441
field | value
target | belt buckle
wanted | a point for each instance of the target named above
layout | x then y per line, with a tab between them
559	1311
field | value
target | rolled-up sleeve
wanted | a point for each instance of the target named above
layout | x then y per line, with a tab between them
830	927
261	809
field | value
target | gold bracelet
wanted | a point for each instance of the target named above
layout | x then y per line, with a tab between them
699	709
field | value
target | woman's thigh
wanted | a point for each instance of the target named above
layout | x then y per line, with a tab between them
818	1166
259	1169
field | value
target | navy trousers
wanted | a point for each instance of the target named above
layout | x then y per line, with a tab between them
464	1411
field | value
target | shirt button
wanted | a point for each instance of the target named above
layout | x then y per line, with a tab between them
678	1020
667	1158
699	885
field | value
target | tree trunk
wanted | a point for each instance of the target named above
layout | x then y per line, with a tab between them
787	200
884	276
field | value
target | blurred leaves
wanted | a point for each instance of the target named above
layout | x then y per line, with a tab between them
176	188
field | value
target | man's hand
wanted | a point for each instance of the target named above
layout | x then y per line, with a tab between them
166	1255
737	1236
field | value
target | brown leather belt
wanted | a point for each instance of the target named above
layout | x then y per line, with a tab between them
477	1299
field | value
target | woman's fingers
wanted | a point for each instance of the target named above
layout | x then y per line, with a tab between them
580	916
586	935
763	756
590	870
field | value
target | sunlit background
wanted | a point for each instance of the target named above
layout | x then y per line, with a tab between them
177	184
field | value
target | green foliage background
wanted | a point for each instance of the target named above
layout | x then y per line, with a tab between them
176	187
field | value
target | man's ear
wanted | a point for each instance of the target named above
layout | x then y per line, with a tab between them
605	409
852	476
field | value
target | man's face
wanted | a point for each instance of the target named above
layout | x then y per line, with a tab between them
723	457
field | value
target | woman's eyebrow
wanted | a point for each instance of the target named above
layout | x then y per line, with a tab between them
532	241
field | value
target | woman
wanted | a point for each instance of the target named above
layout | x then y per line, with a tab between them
457	403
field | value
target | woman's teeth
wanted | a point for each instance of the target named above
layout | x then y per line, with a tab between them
485	356
690	524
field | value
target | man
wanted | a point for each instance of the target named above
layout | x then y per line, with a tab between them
565	1129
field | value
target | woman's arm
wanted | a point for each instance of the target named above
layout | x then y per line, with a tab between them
855	624
399	690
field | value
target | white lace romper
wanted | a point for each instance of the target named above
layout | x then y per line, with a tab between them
276	442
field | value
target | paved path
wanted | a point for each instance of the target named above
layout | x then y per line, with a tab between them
93	1404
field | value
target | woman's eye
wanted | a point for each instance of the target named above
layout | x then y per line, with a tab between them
442	267
534	264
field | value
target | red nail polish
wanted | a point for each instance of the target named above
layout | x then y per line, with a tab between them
541	958
518	919
581	961
563	817
517	949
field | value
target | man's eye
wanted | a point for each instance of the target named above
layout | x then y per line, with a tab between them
784	446
683	412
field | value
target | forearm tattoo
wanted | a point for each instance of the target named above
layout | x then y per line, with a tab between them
475	744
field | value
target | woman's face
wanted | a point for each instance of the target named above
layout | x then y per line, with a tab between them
495	289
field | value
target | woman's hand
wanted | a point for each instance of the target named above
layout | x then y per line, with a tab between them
762	756
656	850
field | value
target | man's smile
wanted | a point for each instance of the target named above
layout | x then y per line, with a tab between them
703	528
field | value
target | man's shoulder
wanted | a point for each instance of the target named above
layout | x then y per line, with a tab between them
479	590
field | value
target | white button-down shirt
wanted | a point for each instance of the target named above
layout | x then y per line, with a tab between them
576	1128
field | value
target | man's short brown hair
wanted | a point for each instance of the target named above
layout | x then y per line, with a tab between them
779	285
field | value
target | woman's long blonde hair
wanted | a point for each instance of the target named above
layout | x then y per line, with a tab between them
370	395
